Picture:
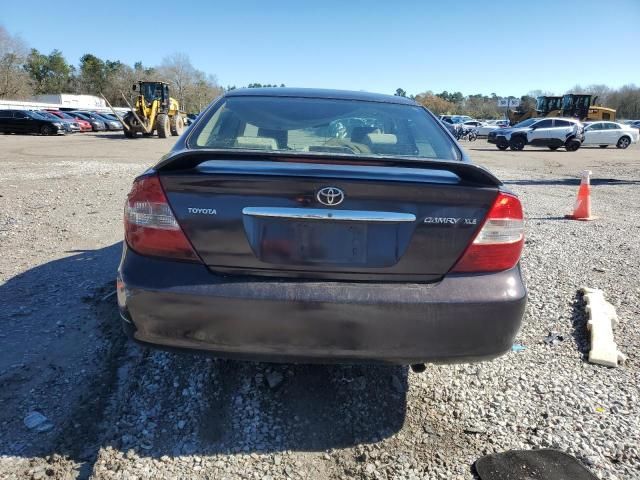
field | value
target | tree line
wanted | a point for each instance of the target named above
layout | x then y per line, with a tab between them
26	72
625	100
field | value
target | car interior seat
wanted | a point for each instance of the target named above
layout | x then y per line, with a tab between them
280	136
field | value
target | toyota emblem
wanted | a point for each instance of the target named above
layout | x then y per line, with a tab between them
330	196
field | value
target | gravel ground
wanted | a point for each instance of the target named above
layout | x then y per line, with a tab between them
115	411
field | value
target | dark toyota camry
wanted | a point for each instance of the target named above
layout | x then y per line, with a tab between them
310	225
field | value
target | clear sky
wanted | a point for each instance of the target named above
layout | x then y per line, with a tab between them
472	46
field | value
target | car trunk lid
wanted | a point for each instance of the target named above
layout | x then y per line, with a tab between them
383	220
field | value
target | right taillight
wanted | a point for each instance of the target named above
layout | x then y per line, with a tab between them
150	226
498	244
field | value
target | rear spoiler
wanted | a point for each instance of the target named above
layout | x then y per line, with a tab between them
184	160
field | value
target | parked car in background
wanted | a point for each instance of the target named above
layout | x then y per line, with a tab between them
451	128
70	126
291	225
109	123
27	121
471	125
609	133
455	119
97	124
85	126
542	132
484	129
110	120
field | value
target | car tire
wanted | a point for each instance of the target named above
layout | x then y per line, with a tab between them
517	143
502	146
46	130
623	143
572	145
553	147
603	146
162	124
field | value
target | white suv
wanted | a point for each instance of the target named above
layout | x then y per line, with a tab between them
543	132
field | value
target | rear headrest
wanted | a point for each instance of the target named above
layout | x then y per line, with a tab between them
257	143
358	134
382	138
281	136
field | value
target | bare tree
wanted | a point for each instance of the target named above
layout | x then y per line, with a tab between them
599	91
179	72
193	88
14	80
540	93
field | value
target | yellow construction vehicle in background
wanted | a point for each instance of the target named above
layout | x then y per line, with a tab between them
584	108
545	106
154	110
578	106
548	106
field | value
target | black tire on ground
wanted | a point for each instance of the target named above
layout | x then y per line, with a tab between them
46	130
572	145
162	124
604	146
623	143
502	146
130	133
177	125
553	147
145	134
517	143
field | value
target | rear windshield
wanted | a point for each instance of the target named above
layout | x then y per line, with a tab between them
37	115
323	127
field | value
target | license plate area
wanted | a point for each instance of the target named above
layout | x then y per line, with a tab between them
323	242
315	242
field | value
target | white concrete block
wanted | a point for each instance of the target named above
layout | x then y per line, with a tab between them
602	317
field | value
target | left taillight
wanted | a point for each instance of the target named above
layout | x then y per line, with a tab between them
150	226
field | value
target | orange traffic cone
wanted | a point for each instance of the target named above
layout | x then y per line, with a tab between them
582	209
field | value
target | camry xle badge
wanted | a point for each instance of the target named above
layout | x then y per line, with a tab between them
202	211
330	196
450	220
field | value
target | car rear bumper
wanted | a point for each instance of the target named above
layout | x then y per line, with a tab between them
459	319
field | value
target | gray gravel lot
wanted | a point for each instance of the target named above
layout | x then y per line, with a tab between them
116	411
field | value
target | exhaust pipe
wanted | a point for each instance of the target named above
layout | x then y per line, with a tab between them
418	367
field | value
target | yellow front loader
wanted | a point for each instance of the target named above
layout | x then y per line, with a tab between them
583	108
154	110
545	106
